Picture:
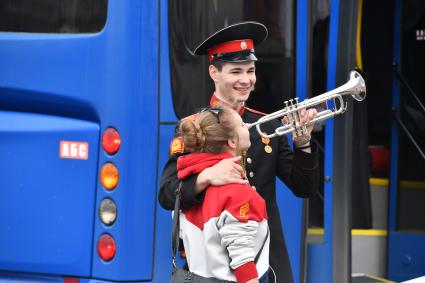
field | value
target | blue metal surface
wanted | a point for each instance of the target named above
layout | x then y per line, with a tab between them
162	270
329	138
162	260
47	202
111	79
318	270
325	253
393	259
28	278
301	44
131	89
393	186
37	278
291	207
406	257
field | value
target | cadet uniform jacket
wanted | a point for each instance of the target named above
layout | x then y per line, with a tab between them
297	169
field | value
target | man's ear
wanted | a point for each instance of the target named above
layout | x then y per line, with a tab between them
213	72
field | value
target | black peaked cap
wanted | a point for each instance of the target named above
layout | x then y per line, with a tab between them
243	30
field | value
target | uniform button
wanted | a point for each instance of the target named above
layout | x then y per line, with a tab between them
249	160
251	174
254	187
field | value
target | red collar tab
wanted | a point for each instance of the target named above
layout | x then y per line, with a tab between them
230	47
255	111
216	102
241	110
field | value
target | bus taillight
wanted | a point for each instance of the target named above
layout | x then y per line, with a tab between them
106	247
109	176
111	141
108	211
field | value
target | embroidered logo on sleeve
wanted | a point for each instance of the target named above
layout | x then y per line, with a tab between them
177	145
243	211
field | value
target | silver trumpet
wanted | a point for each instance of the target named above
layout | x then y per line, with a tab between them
356	87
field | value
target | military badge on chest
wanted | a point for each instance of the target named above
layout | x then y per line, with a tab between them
267	147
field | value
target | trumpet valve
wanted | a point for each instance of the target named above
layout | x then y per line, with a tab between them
291	101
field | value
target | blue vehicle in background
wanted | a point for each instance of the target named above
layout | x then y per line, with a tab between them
90	93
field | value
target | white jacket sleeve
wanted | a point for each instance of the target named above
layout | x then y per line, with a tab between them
238	237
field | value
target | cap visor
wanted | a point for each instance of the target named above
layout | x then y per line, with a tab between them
237	57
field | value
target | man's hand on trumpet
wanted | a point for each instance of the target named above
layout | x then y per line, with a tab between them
302	135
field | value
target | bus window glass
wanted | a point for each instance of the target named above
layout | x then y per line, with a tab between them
191	21
53	16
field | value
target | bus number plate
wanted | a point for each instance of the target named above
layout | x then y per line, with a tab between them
74	150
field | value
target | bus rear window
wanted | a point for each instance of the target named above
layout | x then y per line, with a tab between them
53	16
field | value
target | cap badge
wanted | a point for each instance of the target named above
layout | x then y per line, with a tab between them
244	45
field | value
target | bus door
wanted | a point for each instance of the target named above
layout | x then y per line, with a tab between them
406	239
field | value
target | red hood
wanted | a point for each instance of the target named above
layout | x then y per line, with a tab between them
195	163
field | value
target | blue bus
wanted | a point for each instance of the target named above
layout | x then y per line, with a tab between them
90	93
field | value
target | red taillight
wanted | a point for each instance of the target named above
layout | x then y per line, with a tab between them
111	141
106	247
71	280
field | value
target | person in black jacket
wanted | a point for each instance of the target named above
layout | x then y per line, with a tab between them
232	68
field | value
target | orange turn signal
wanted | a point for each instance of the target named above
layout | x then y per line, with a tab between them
109	176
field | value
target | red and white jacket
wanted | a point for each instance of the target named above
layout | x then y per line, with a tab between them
223	234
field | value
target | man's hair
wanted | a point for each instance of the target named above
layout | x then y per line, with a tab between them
209	132
218	64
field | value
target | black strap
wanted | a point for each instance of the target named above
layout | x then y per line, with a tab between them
175	239
262	246
176	227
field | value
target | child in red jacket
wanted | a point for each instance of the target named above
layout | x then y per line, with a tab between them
224	234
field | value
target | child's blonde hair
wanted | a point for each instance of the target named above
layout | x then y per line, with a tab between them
209	132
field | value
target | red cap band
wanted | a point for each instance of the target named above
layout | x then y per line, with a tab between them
230	47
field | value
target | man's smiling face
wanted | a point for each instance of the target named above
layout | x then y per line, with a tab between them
235	81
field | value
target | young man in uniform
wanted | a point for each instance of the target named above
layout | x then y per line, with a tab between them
232	68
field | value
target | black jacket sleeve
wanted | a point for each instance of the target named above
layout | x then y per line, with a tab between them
169	183
299	170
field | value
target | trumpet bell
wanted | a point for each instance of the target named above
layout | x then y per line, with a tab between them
359	91
355	87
